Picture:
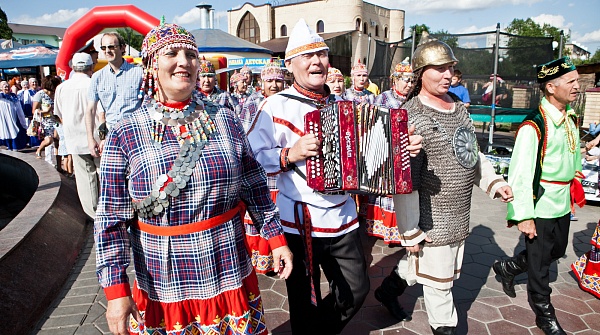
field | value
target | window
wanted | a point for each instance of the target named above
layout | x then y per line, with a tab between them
358	24
365	28
376	30
385	32
283	30
320	26
248	29
25	42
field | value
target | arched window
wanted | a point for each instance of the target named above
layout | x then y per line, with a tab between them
365	60
365	28
376	30
320	26
357	24
248	29
385	32
283	30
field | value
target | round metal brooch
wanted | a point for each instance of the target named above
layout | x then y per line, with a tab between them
465	147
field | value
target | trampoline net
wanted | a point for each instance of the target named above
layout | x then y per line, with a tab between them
518	56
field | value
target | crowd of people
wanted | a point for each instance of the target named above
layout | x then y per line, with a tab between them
207	187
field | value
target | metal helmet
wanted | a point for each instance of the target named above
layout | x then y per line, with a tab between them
431	51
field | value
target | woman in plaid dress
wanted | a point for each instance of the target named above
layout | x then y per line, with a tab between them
175	180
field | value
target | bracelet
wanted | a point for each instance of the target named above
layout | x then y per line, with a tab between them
284	161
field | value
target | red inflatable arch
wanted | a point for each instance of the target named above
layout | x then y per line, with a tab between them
93	23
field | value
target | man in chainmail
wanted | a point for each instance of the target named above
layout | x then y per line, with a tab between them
443	175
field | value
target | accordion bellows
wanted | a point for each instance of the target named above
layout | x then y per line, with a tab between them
363	149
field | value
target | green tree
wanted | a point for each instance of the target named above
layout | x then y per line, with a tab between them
132	37
528	44
5	31
596	57
419	29
446	37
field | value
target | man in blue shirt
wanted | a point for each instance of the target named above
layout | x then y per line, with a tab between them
459	90
116	87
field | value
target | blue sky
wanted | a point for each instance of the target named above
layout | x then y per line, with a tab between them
578	17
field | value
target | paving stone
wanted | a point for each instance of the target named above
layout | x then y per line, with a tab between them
506	328
519	315
88	330
58	331
63	321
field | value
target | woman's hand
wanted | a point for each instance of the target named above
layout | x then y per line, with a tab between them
117	315
282	261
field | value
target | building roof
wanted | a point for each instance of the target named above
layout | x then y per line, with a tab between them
216	40
18	28
278	45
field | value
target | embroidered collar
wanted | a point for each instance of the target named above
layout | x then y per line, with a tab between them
319	98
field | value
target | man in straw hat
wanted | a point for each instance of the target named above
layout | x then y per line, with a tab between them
360	80
207	79
544	193
321	229
443	175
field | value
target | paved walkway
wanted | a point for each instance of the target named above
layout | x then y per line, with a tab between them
483	308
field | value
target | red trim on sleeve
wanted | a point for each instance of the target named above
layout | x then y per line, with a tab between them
288	124
277	241
117	291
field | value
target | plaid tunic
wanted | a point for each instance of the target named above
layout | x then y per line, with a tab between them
358	96
219	97
183	268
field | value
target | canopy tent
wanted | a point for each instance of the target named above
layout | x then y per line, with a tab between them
28	56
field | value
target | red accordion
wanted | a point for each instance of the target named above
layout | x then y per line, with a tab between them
363	149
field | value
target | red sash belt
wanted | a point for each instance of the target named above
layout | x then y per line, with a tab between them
305	230
576	190
189	228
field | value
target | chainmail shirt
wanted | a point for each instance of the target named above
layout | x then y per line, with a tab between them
444	185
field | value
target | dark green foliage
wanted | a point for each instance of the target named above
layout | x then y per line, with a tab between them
5	31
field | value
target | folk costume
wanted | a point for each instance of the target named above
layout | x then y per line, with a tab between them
238	98
321	229
378	212
187	171
545	182
587	267
355	94
443	175
334	75
12	122
218	96
262	258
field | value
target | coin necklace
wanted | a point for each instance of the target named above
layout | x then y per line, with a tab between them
192	135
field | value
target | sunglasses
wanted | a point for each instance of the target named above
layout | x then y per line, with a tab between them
109	47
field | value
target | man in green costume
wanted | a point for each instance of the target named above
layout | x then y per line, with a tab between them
545	184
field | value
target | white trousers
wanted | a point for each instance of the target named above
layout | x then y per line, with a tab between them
435	268
86	176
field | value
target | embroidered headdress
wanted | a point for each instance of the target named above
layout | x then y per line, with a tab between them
245	69
333	73
554	69
359	68
206	68
303	40
272	70
235	78
403	69
165	34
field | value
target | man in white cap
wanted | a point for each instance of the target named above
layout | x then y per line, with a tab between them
321	229
70	103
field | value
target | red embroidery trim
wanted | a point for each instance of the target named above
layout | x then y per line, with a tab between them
288	124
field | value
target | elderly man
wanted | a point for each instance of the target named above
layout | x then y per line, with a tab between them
321	229
70	102
116	87
443	175
543	195
360	81
208	85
